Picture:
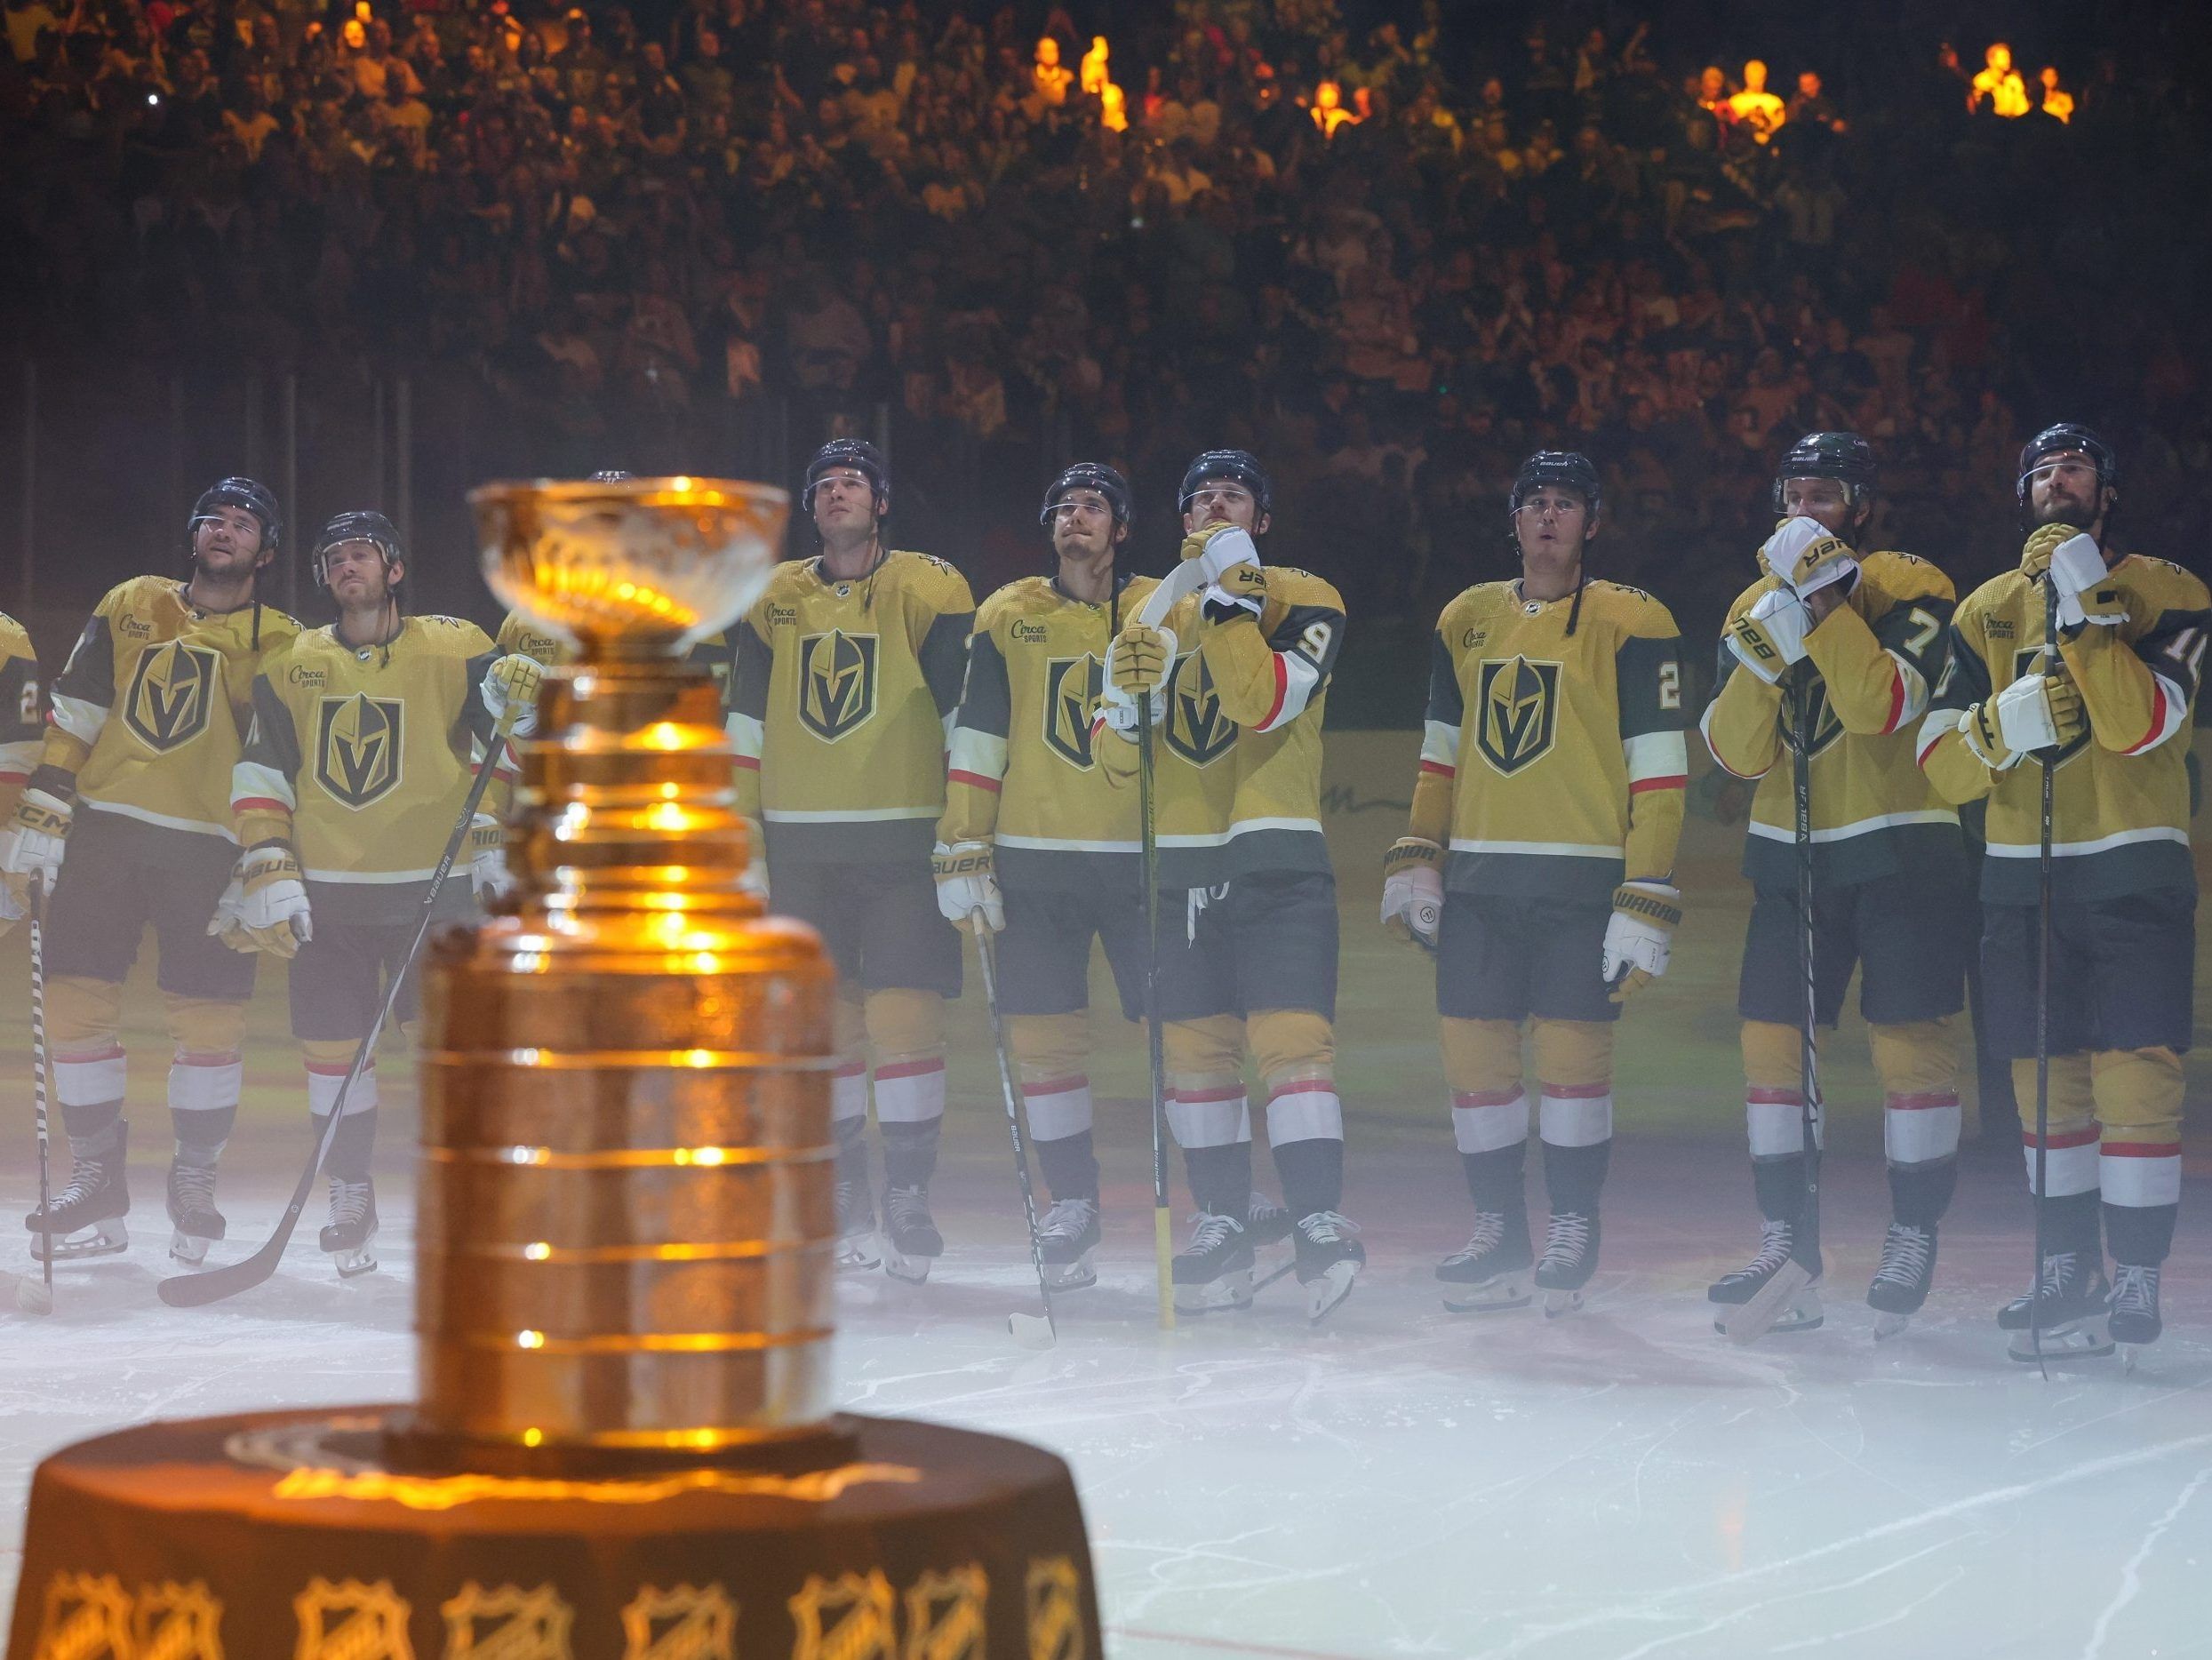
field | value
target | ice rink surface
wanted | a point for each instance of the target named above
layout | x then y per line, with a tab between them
1401	1480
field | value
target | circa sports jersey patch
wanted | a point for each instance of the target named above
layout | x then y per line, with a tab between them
173	692
1195	728
1073	686
1518	701
357	746
836	682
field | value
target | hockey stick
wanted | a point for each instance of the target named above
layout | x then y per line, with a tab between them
1156	1046
2043	874
1029	1331
36	1296
195	1290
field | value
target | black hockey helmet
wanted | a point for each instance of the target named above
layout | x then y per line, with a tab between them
256	498
358	527
1843	456
1236	464
2057	440
859	454
1569	469
1090	475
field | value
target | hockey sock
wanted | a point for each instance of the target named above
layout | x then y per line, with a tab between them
1496	1180
1070	1167
1919	1193
852	1149
2140	1234
910	1151
2071	1223
1574	1176
202	1134
350	1148
1312	1172
91	1124
1220	1177
1780	1186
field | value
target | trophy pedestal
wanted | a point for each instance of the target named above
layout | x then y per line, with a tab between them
317	1534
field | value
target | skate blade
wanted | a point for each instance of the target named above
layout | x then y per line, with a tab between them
188	1249
1888	1324
1032	1332
1492	1296
857	1252
351	1264
913	1270
1271	1261
1559	1303
1071	1276
1232	1290
1788	1297
1329	1287
98	1239
2084	1340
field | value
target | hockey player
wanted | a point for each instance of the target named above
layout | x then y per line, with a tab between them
1860	639
1037	846
847	676
19	727
2086	659
358	761
1540	866
134	784
1234	683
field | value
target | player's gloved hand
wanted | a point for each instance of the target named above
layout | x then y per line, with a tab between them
754	880
1218	546
1136	675
33	843
1808	556
1640	936
967	887
2038	711
2086	593
1413	889
274	911
1240	590
488	875
229	924
512	683
1770	636
10	912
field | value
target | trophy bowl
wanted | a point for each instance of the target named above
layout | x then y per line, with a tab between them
634	564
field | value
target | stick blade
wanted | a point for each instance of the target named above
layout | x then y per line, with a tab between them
34	1297
197	1291
1032	1331
1751	1321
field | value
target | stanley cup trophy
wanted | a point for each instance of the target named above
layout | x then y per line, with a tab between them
624	1445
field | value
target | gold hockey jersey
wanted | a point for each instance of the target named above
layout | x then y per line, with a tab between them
517	634
1025	770
150	710
1554	764
361	757
841	706
2120	819
1872	665
20	713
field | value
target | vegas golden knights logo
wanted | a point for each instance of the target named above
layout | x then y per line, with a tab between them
836	682
87	1617
1826	728
1055	1609
680	1625
509	1624
357	747
945	1616
173	1622
1195	728
1516	712
351	1621
173	692
850	1617
1071	688
2024	662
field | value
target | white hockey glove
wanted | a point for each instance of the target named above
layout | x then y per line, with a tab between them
2078	573
754	879
512	681
1640	936
1137	666
229	924
2038	711
488	875
10	912
1770	636
1218	546
1808	556
32	843
1413	889
273	912
967	888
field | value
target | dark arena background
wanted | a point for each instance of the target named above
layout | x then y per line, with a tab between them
374	254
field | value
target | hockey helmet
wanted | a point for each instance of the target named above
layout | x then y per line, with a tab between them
611	476
2057	440
1236	464
859	454
358	527
1843	456
1566	469
254	498
1090	475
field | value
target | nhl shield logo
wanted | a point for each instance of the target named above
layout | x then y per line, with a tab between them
1055	1609
836	682
87	1617
358	746
1073	686
509	1624
1517	711
850	1617
680	1625
178	1621
2024	662
945	1616
171	694
1195	728
351	1621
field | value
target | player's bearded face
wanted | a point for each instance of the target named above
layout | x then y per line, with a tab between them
1222	501
2063	491
1552	526
227	539
357	575
1083	526
1823	500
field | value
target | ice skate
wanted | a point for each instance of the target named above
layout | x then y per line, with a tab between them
352	1226
1570	1256
2132	1313
1267	1230
1066	1236
910	1241
1490	1272
1213	1271
1328	1259
2071	1299
1900	1285
85	1217
192	1213
1771	1292
856	1245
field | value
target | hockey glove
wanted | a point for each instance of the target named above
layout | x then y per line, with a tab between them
754	880
10	913
1808	556
229	924
967	887
33	843
1413	889
274	911
1136	668
488	876
2087	595
1218	546
2037	711
1640	936
512	681
1770	636
1240	591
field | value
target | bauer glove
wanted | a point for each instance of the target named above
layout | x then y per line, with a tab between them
2038	711
1240	588
1640	936
229	924
2075	566
1136	668
967	887
1218	546
32	843
488	875
272	910
1413	889
1769	637
1808	556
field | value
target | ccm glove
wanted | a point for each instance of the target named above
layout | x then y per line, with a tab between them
512	683
1136	668
1770	636
967	887
32	843
1808	556
1640	936
273	911
2037	711
1413	889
